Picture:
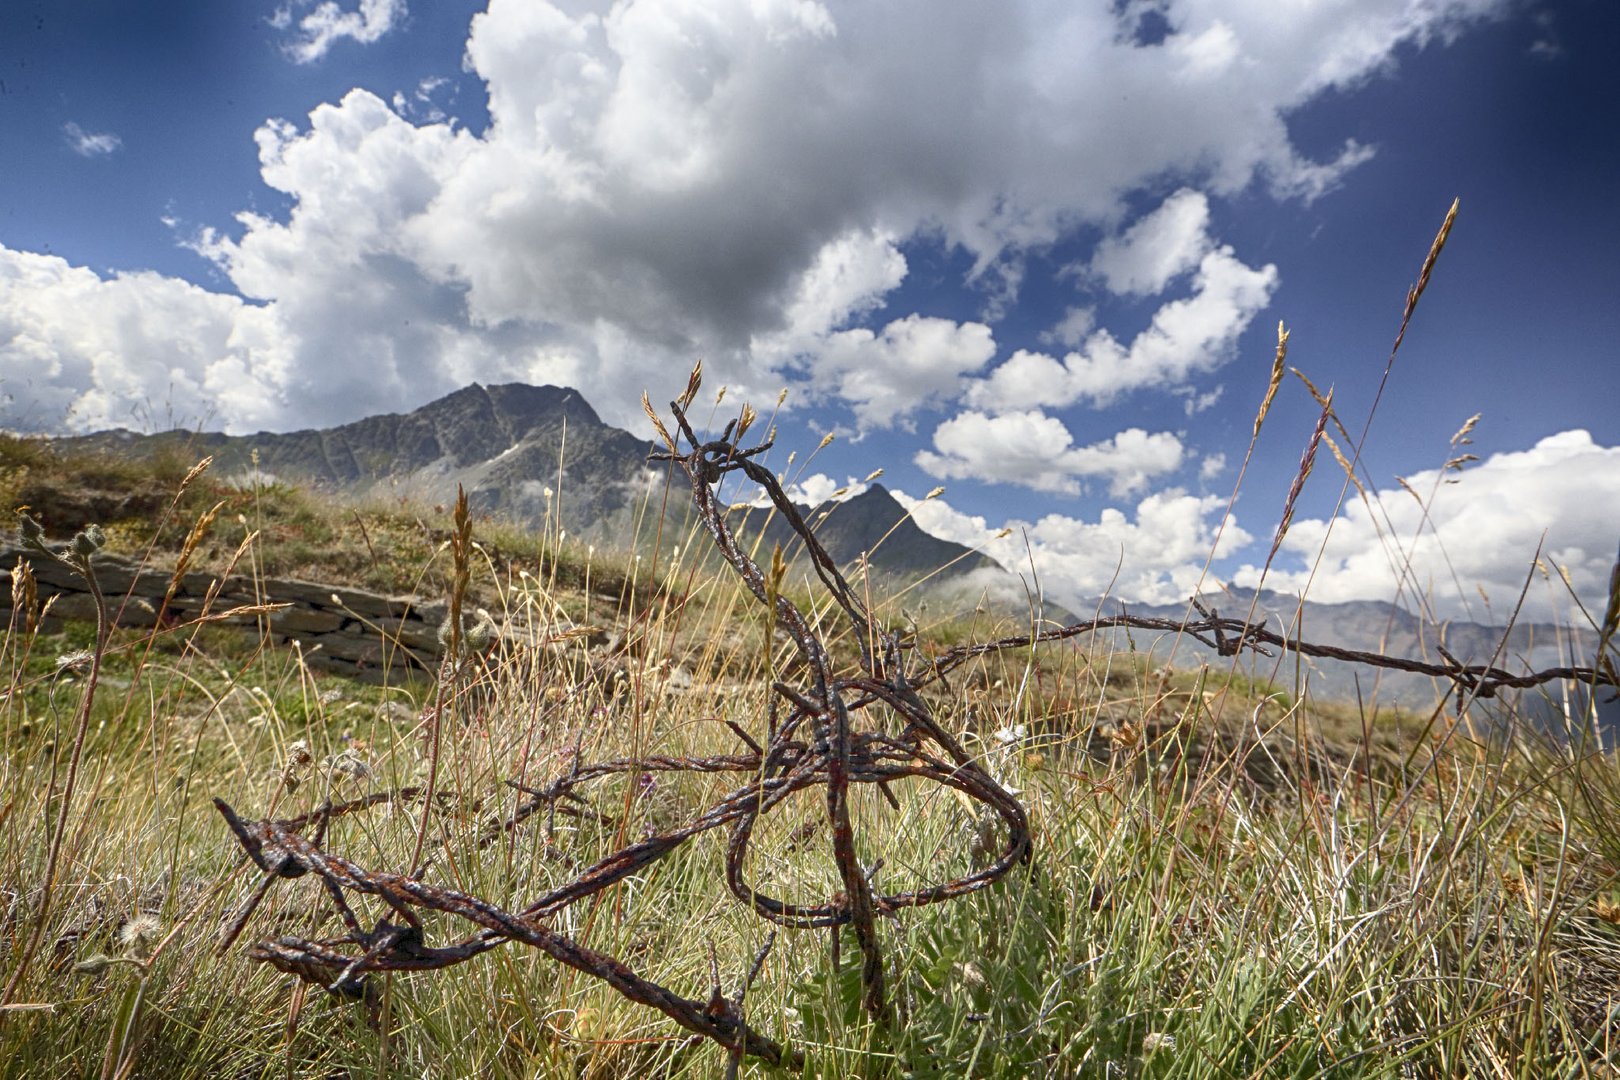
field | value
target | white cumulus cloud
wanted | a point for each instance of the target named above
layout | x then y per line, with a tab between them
329	23
1037	451
1189	335
1157	249
90	143
813	490
1072	329
1153	553
911	363
1480	533
152	347
734	179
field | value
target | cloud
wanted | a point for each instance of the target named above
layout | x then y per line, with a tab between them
1153	554
1480	531
1311	180
882	375
1548	44
912	363
1072	329
1195	401
1158	249
421	105
328	24
848	277
1037	451
1187	336
89	143
812	491
660	181
155	347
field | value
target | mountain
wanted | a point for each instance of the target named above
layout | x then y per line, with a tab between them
513	447
540	455
1379	627
872	523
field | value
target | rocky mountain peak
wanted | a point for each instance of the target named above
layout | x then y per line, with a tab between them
875	524
541	456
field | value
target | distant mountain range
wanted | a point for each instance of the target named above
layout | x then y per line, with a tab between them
540	455
1372	626
532	454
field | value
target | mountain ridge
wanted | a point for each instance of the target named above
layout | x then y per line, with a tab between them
1374	626
541	455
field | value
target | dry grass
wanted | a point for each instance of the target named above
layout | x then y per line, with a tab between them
1228	880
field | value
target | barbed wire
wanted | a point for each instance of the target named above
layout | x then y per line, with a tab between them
814	740
817	736
1228	637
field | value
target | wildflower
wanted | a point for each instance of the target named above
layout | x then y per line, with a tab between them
969	973
1012	733
1125	736
1155	1041
33	533
482	632
93	965
348	763
298	759
136	935
88	542
478	630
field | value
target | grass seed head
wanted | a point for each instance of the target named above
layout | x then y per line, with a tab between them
693	382
1276	378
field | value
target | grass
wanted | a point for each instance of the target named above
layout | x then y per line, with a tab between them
1228	880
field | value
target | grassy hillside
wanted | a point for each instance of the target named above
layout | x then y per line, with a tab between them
1225	880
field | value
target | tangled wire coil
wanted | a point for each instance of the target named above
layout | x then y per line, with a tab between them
812	741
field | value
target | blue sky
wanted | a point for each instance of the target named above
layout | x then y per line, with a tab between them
1033	252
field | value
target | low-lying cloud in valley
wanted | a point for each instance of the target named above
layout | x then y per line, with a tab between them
1469	547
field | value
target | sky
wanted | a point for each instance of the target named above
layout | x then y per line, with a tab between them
1035	253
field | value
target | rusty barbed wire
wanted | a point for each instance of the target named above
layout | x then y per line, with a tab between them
1228	637
813	740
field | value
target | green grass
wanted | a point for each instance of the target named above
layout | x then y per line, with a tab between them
1227	881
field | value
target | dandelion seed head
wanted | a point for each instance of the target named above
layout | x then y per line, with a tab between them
1155	1041
136	935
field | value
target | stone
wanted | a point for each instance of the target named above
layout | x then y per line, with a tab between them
297	621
